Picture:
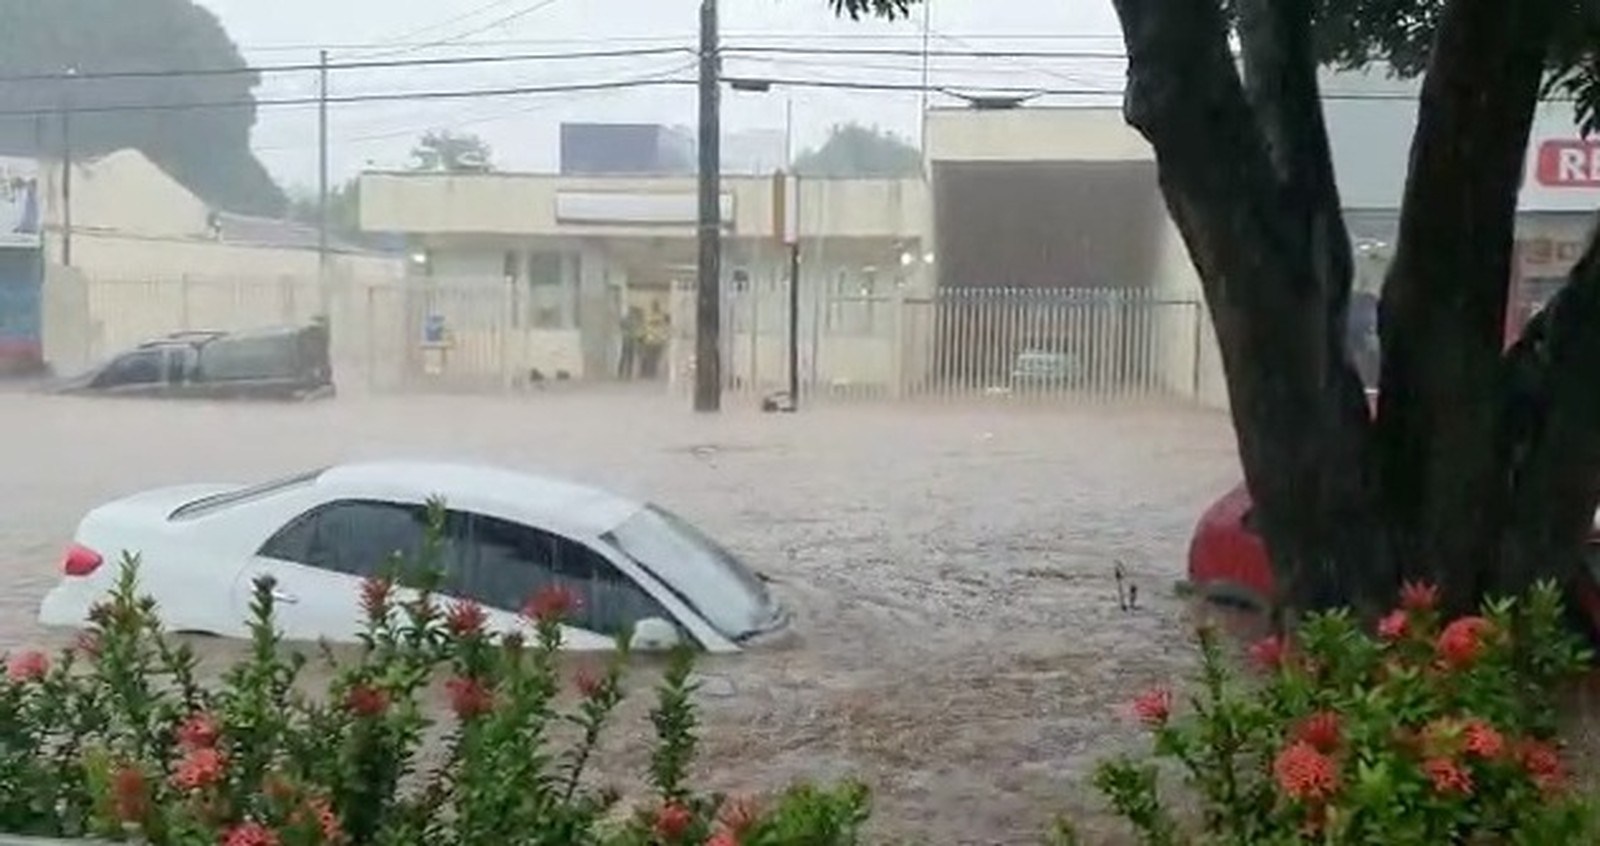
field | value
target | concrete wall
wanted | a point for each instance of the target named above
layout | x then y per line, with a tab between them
1028	134
1099	134
526	204
113	255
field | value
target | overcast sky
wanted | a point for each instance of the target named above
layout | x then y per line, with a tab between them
523	130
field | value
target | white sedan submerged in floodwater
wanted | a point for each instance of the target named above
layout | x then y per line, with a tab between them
506	535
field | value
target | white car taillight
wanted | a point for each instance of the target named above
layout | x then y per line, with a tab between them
81	561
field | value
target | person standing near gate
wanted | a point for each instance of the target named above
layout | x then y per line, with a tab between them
656	331
632	336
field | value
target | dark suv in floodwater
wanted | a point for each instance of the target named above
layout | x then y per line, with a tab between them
273	364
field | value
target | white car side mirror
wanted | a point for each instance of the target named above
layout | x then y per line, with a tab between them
654	634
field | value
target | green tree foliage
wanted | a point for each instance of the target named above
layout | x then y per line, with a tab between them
207	149
344	210
855	150
449	152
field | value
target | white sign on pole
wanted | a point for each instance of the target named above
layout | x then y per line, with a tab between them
20	206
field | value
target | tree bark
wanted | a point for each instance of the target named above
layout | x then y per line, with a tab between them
1552	438
1248	179
1441	451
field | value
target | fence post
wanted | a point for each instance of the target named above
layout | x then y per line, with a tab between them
1199	327
897	353
507	304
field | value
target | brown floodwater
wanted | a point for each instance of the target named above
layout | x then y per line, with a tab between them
957	641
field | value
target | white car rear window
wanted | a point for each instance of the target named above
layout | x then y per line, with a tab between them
216	502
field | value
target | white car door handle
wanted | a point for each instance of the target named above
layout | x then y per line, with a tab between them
283	597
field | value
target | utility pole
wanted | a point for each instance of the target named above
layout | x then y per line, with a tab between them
325	295
66	170
922	116
792	235
708	291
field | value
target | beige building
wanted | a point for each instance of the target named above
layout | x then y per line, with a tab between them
1034	233
569	255
148	257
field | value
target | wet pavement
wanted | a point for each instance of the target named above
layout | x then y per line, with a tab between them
959	644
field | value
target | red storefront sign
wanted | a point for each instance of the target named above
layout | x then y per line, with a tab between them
1569	164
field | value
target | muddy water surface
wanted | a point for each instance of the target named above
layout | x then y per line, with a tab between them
958	642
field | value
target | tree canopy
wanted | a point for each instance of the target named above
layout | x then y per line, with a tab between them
207	149
855	150
1480	469
449	152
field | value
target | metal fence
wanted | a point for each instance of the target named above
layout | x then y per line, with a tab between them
1059	343
481	335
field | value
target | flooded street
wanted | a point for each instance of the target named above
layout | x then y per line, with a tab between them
959	644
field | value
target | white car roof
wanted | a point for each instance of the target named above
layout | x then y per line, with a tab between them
559	505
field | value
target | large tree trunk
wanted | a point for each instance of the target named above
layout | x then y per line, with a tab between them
1248	180
1442	317
1467	478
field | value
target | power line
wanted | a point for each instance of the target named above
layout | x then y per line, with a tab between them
359	64
472	120
809	38
498	22
957	90
470	13
917	54
388	96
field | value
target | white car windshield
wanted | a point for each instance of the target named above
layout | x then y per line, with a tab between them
731	597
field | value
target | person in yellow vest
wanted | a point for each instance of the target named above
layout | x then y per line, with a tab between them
657	329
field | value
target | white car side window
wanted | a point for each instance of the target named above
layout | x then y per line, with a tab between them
504	563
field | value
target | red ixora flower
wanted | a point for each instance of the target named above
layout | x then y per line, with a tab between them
589	684
551	604
1461	642
469	697
1153	707
364	700
672	821
1269	652
1419	596
27	666
200	731
130	794
1483	740
1394	626
738	816
466	619
1448	776
375	594
250	834
317	809
1321	730
1542	764
199	769
87	644
1305	773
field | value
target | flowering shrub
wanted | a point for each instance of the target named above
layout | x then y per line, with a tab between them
116	738
1429	732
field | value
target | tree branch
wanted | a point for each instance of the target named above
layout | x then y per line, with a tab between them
1443	307
1251	190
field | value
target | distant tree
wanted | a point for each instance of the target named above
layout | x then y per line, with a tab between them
855	150
206	149
344	210
443	150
